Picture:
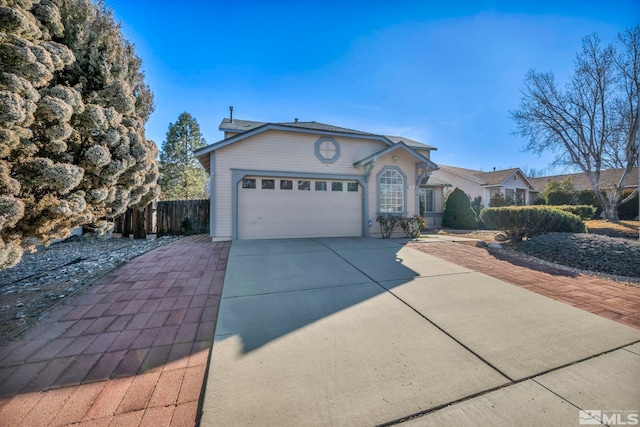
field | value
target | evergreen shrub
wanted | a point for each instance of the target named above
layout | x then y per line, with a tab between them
458	213
518	222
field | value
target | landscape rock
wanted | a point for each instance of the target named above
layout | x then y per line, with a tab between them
500	237
495	245
481	244
602	254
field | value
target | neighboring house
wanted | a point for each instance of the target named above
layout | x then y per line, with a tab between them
608	180
512	184
308	179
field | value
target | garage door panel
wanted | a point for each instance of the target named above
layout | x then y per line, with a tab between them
276	213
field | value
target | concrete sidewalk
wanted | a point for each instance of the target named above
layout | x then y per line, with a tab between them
130	350
364	332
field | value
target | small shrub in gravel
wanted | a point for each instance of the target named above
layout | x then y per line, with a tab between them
608	255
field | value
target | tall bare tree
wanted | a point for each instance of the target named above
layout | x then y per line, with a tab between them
592	123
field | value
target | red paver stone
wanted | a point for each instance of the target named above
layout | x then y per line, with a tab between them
50	373
127	419
192	384
139	392
114	355
124	340
185	415
120	323
606	298
157	319
167	388
78	404
77	346
187	332
48	407
18	408
102	342
146	338
158	417
77	371
131	363
105	366
109	398
20	354
22	376
100	325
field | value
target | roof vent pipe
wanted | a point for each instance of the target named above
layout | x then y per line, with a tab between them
231	114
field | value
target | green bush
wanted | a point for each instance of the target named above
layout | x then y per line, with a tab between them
588	197
539	201
559	192
583	211
630	209
497	200
476	205
560	197
187	227
518	222
413	225
388	223
458	212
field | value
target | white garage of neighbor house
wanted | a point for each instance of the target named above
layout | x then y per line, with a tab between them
308	179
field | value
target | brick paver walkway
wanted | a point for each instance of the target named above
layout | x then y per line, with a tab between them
130	350
606	298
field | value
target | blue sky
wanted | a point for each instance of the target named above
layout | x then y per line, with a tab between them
443	73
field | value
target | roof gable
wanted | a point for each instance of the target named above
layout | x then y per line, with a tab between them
495	178
398	146
243	129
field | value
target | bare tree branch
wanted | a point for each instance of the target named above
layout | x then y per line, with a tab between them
592	123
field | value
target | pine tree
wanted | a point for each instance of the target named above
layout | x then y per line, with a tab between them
73	104
183	177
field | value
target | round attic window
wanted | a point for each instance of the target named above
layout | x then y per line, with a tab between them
327	150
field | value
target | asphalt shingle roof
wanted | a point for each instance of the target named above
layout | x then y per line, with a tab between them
608	179
486	178
247	125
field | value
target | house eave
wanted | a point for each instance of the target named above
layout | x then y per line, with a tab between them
400	145
271	126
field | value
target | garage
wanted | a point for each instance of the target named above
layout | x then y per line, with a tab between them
275	208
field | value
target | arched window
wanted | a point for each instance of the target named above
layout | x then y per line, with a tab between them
391	190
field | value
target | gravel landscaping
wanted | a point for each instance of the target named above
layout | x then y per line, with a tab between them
54	273
588	252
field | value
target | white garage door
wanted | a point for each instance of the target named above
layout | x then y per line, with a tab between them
273	208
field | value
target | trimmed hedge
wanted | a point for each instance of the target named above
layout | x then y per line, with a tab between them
588	197
560	197
583	211
518	222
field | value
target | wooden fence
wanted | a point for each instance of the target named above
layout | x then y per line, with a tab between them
163	218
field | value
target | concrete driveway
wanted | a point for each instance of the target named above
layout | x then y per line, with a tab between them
359	331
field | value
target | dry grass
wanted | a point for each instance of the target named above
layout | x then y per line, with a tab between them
626	229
